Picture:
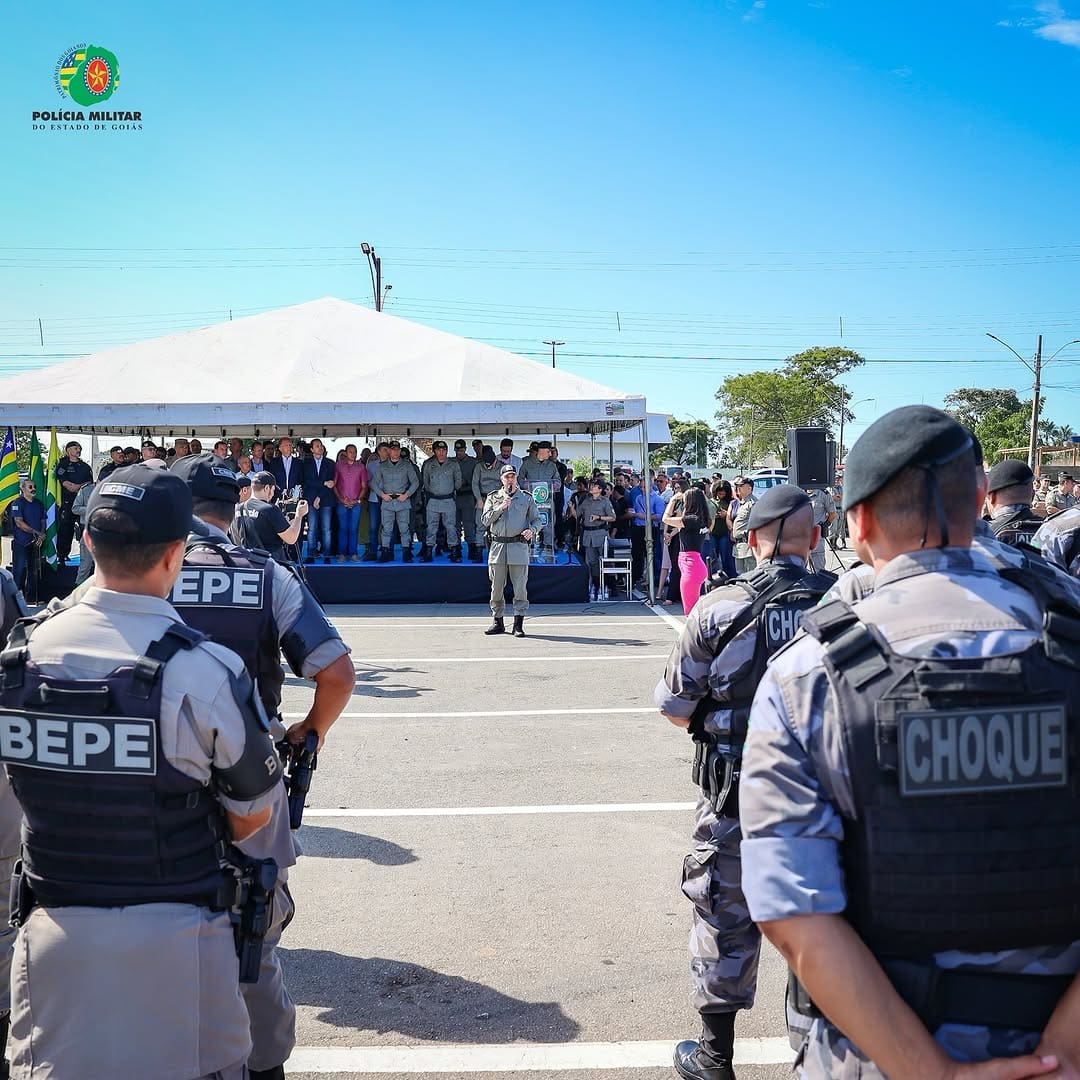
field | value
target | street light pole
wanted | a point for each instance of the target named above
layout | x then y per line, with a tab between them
375	267
553	345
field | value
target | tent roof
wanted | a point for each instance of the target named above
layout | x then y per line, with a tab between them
328	367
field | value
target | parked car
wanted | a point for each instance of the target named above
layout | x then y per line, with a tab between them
763	479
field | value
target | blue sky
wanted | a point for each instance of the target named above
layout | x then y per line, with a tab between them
679	192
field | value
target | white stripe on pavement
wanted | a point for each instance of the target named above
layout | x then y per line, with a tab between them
460	624
500	811
515	1057
503	658
669	619
475	713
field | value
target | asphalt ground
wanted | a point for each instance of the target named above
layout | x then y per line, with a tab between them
494	844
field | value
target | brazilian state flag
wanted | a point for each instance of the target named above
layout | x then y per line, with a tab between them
95	76
9	472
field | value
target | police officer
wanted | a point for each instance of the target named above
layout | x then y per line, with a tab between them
707	687
485	479
466	506
73	473
540	468
440	479
511	517
1009	492
596	516
260	523
1062	497
824	515
394	484
137	750
253	605
904	799
1058	538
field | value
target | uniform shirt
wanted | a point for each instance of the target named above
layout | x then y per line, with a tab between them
33	513
467	465
485	480
186	952
110	467
535	471
739	530
441	481
795	791
589	510
1058	538
73	472
1056	499
509	517
395	478
695	669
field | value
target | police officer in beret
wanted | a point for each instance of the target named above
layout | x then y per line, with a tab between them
260	609
908	794
1009	491
139	753
511	517
707	687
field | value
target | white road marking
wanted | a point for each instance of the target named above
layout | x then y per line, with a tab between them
516	1057
593	621
669	619
470	714
503	658
502	811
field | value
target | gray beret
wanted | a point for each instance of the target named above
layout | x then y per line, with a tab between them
911	435
778	502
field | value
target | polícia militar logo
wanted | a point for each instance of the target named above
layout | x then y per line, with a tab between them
88	74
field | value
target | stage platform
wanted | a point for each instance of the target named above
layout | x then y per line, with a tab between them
438	582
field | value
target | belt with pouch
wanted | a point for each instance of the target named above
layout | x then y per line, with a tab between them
516	539
716	771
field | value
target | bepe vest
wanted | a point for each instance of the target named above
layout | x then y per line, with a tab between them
964	772
227	593
107	821
1017	528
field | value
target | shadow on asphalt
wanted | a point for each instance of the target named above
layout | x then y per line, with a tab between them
576	640
325	842
369	683
381	995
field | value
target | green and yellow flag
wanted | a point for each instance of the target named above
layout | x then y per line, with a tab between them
9	472
51	499
37	468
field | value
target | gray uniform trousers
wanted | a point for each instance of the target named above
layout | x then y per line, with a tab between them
467	515
399	513
270	1009
519	577
724	941
445	510
816	562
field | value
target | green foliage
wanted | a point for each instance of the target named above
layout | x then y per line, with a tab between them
581	466
692	442
757	408
971	404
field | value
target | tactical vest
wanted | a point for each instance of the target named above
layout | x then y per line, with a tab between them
964	772
227	593
107	820
14	606
779	595
1018	528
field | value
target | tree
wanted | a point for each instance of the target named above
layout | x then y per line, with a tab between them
971	404
1051	434
757	408
692	442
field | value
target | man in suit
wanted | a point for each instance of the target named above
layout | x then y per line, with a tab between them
318	473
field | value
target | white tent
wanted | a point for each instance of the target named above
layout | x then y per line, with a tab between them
326	367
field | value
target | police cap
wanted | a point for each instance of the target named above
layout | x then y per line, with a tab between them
149	442
460	444
776	504
116	449
1009	473
1064	476
489	456
507	469
911	435
544	444
243	481
155	499
393	444
208	477
264	479
438	444
533	446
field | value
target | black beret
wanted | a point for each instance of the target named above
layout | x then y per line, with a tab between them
543	444
116	449
1009	473
208	477
778	502
460	444
489	456
910	435
264	479
157	501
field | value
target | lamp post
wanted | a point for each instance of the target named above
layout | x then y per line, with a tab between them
375	267
553	345
1036	370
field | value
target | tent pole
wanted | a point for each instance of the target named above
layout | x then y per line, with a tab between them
611	454
646	488
592	449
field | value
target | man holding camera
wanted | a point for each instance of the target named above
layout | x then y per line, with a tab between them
511	518
262	525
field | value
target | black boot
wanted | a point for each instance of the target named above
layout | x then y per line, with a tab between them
371	555
519	626
406	553
498	626
386	555
455	554
709	1059
277	1073
476	553
425	554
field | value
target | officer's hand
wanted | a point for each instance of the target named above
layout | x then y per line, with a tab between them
301	508
298	732
403	498
1017	1068
479	504
527	533
384	497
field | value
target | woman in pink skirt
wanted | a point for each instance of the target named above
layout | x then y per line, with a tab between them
693	524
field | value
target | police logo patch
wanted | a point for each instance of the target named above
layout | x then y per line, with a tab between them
218	586
125	491
965	751
219	470
123	746
781	624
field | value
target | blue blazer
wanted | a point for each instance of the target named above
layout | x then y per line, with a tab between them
313	482
296	474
